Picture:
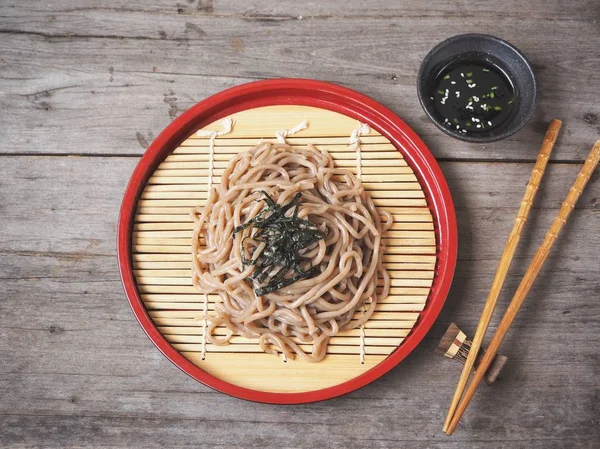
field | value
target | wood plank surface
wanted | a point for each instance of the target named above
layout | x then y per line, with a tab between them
54	57
86	85
74	357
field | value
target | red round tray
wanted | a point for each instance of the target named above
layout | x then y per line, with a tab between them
305	93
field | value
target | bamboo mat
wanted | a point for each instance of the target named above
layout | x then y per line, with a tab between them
162	250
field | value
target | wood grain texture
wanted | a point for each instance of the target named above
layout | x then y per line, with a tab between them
535	266
88	77
78	370
266	10
133	69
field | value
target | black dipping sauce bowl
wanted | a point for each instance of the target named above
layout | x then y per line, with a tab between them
484	49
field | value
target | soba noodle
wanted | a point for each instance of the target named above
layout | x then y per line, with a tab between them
349	275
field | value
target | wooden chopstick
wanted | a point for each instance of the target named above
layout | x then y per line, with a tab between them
530	275
505	261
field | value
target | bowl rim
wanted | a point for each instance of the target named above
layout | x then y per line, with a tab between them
497	40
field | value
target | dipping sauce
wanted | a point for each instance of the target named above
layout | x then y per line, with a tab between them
472	98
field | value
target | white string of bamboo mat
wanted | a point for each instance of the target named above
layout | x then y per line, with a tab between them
362	128
283	133
212	135
227	124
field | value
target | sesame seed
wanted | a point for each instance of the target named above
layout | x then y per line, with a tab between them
489	123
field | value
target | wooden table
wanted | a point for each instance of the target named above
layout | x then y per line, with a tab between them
85	85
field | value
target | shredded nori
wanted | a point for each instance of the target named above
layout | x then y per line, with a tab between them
285	238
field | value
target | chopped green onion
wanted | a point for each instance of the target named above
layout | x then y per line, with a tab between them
441	92
447	77
469	124
497	108
486	70
494	87
492	95
469	74
510	102
469	81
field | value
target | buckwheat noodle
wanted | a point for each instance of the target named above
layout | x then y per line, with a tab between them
349	279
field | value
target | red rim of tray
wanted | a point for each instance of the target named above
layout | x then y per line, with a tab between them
303	93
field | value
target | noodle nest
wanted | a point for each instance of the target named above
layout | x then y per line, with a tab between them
348	277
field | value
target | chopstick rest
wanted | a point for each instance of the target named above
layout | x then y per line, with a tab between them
456	346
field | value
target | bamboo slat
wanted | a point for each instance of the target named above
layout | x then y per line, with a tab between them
255	348
269	373
374	323
397	212
197	298
334	341
187	274
379	176
404	247
162	257
403	199
297	139
175	168
378	169
179	258
341	152
424	281
157	196
191	314
179	226
369	186
185	236
219	331
198	306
